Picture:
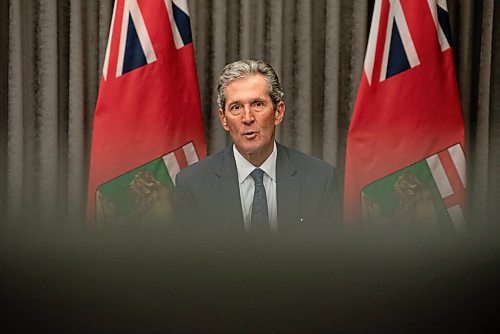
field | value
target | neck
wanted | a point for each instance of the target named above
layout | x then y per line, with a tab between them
257	158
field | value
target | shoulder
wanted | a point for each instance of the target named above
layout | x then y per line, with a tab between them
306	163
208	165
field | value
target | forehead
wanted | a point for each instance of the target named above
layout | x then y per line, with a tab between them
252	85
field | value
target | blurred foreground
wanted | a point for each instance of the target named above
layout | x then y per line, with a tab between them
155	279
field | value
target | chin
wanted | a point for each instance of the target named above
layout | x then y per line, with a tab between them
250	149
253	150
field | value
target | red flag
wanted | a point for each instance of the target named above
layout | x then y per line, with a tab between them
407	116
148	121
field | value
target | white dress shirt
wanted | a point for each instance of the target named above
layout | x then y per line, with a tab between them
247	186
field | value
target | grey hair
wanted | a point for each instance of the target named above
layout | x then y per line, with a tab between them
241	68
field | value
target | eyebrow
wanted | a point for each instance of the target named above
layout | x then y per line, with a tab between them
261	99
233	103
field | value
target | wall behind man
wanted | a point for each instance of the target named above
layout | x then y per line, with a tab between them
52	55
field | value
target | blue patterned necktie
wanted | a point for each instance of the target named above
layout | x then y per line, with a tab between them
259	207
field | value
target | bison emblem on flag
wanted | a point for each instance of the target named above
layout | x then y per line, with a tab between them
429	192
143	194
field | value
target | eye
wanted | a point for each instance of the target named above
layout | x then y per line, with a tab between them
258	104
234	108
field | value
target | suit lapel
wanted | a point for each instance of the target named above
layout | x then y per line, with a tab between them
287	188
230	203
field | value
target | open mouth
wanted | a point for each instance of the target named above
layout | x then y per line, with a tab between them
249	134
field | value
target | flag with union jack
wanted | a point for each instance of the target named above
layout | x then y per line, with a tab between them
147	123
405	148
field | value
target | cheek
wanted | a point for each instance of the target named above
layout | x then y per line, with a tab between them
232	127
268	123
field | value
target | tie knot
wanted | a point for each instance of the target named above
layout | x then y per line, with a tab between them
257	175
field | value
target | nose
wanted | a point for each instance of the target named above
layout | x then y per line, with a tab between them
247	115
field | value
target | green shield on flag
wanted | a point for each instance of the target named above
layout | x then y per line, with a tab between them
409	195
142	194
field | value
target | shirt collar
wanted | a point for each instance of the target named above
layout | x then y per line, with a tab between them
244	167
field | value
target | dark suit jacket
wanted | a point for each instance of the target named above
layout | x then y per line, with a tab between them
207	193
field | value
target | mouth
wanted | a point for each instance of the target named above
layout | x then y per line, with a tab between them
249	134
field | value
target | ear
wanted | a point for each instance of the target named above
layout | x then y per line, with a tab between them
279	113
223	120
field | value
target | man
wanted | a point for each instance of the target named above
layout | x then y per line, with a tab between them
255	183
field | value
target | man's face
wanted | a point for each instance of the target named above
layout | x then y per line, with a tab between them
249	117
